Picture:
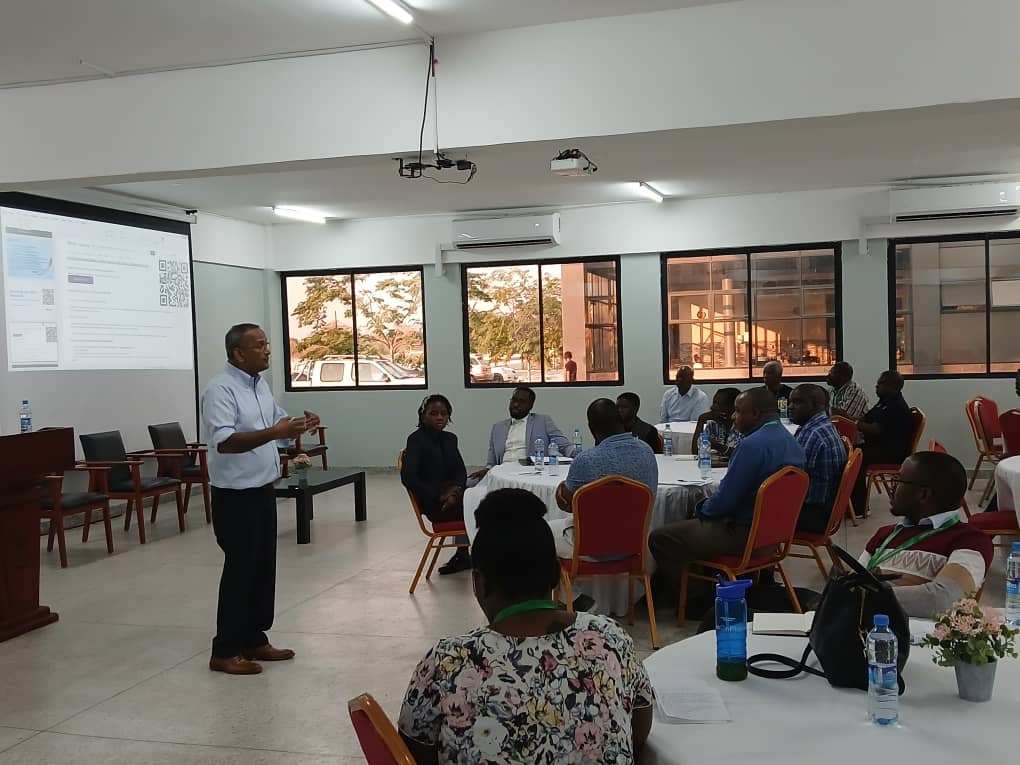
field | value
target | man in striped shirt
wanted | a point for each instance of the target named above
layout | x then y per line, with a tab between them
848	398
825	455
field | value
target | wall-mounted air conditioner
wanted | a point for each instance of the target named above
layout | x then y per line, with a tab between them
510	231
976	200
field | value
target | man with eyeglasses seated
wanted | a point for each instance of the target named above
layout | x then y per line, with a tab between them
939	557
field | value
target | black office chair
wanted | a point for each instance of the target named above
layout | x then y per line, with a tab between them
176	458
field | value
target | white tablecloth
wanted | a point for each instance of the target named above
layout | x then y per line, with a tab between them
1007	484
686	427
805	720
673	501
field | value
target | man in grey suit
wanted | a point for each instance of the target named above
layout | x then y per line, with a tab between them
513	439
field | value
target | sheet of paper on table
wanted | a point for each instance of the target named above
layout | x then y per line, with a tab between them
794	625
687	699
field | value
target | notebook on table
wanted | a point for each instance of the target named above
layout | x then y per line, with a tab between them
794	625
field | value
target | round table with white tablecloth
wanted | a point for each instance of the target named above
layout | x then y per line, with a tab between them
687	427
1007	484
805	720
680	488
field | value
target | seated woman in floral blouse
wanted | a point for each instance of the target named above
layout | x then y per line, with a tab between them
718	423
537	685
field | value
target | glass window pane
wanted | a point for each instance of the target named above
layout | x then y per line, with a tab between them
502	310
332	372
777	304
771	270
319	319
389	313
686	274
1004	267
941	301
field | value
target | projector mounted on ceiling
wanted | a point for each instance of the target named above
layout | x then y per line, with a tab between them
572	163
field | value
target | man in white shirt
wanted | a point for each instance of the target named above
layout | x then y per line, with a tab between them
685	402
513	439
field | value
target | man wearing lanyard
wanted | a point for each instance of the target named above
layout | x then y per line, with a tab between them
243	426
938	558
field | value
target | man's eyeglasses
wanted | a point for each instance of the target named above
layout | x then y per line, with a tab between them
895	482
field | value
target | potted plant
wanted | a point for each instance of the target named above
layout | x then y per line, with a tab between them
971	640
301	464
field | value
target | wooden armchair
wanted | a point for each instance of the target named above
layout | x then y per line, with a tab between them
312	450
125	481
177	458
57	504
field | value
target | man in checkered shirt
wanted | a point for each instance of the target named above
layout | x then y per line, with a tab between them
825	455
848	398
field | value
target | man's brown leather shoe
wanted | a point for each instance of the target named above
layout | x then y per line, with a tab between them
234	665
267	653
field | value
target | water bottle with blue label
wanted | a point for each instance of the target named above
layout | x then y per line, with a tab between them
539	455
577	442
883	685
25	416
554	458
784	411
704	456
1013	586
667	442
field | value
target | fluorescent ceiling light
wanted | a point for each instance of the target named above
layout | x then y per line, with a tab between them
394	9
300	213
652	193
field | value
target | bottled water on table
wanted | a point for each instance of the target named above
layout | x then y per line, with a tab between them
704	456
784	411
25	416
1013	586
539	456
577	441
883	686
554	458
667	442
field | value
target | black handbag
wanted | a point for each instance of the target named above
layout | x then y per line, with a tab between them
839	633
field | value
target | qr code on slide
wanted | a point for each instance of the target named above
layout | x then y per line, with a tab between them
174	284
51	333
47	297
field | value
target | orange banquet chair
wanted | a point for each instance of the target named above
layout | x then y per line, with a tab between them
437	535
379	739
840	508
776	508
849	446
611	517
1009	424
1001	523
845	427
879	474
983	416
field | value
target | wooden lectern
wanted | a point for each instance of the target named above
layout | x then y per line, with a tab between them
24	460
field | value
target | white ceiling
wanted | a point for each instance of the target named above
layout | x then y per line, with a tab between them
43	40
856	150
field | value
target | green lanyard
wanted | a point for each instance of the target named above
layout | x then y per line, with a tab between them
881	556
524	607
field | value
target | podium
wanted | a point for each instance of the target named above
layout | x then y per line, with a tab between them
24	460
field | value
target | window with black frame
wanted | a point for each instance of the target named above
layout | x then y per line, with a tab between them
354	330
729	312
543	323
955	305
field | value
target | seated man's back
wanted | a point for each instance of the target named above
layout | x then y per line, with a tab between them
620	454
824	455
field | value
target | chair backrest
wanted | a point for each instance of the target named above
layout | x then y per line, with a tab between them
841	504
107	447
988	415
379	739
414	500
846	428
935	446
776	509
847	444
169	435
919	420
982	444
611	517
1009	423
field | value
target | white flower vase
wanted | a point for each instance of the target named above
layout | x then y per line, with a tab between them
975	682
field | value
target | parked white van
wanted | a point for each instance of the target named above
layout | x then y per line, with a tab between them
338	371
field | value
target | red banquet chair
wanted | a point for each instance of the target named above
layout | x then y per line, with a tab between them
379	739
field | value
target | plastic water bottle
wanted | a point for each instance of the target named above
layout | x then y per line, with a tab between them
1013	586
883	687
25	416
539	455
577	442
554	458
667	442
704	456
784	411
731	629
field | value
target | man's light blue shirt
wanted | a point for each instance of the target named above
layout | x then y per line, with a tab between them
617	455
236	402
690	406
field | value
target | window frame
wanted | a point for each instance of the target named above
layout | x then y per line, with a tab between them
700	376
466	331
987	238
353	369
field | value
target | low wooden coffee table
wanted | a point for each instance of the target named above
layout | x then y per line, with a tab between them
317	482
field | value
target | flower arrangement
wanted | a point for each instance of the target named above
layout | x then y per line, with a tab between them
966	634
300	463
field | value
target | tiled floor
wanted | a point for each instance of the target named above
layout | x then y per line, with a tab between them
123	677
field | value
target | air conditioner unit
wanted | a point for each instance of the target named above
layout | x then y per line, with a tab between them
977	200
511	231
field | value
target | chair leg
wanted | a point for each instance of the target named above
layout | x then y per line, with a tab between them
155	506
836	561
818	560
568	589
58	518
108	526
52	534
325	464
989	492
435	557
86	526
421	565
867	495
208	502
182	508
187	495
128	511
651	612
681	614
630	600
140	512
977	467
851	513
789	589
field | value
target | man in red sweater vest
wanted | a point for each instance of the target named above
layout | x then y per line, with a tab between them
938	555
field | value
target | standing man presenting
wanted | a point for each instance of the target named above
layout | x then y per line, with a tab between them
243	425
